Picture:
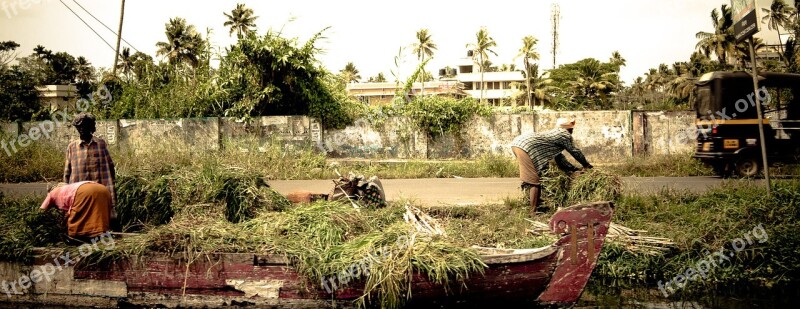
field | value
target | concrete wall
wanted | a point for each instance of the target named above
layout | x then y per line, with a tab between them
603	136
667	133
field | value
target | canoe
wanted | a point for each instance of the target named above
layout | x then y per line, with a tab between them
552	275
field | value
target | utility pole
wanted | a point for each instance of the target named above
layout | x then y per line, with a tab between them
119	38
555	18
760	116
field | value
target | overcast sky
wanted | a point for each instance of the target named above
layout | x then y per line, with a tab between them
369	33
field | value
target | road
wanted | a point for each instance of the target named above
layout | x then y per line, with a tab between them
454	191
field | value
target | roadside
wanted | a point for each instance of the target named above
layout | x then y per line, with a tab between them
450	191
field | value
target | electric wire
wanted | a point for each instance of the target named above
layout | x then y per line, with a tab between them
87	25
104	25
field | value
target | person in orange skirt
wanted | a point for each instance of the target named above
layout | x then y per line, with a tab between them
87	205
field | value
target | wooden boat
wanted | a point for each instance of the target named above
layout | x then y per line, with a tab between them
555	274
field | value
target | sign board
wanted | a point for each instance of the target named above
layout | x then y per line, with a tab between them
745	21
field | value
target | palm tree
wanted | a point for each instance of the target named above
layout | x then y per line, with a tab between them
528	52
125	64
617	60
777	16
423	47
378	78
183	43
85	70
722	41
541	86
480	50
350	73
240	20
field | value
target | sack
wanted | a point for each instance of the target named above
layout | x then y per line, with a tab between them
366	193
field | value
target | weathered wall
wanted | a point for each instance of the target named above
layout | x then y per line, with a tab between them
289	129
604	136
391	138
61	134
197	133
667	133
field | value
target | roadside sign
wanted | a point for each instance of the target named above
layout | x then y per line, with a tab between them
745	21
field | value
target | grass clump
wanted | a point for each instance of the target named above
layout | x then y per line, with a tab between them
324	239
562	190
23	226
37	162
701	224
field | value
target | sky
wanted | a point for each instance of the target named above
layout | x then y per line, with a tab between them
371	33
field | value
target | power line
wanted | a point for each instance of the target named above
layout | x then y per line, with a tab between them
87	25
104	25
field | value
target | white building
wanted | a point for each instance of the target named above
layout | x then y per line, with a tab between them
499	85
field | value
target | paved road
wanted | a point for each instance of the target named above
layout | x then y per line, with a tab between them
460	191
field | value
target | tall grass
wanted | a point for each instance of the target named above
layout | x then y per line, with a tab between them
701	224
665	165
39	161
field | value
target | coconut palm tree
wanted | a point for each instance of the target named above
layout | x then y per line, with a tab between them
85	70
617	60
776	17
480	51
722	41
350	74
240	20
423	47
125	64
183	43
528	52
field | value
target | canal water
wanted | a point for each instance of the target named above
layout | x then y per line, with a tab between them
611	295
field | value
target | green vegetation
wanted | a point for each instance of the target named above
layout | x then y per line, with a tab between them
701	224
664	165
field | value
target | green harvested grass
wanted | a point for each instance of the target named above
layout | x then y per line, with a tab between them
562	190
23	226
704	223
324	239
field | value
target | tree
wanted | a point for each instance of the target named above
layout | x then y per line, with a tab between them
617	60
777	16
7	53
85	70
183	43
240	20
377	79
588	82
480	50
19	97
125	64
424	47
721	42
350	74
528	52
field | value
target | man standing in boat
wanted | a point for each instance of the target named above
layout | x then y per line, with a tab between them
535	150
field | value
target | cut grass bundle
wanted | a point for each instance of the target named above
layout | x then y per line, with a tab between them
324	239
562	190
23	226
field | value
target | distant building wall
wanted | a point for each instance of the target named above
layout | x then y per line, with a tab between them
603	136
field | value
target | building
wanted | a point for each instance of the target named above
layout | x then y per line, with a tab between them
57	97
384	93
500	86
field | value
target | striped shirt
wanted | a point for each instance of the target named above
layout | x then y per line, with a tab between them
90	162
548	145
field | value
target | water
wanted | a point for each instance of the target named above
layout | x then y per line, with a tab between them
609	295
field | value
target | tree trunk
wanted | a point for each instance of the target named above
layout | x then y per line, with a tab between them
528	82
483	86
422	75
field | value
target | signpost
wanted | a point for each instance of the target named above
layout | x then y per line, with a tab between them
745	25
